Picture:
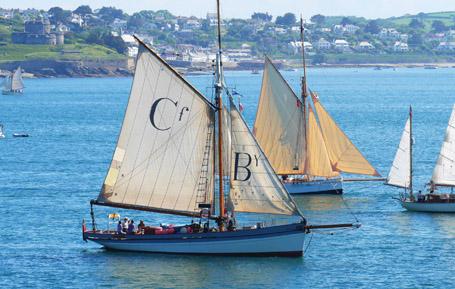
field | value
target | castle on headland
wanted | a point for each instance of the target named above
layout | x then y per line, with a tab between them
39	32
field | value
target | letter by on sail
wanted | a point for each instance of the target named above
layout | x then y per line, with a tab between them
279	123
399	174
344	156
164	155
318	162
255	188
444	172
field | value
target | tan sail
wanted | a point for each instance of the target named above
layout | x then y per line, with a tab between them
400	173
255	188
164	155
344	156
318	162
279	123
444	172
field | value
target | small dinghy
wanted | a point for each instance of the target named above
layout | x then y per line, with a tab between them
20	134
443	176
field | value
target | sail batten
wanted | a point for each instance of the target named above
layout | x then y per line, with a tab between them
399	175
164	156
279	123
344	155
444	171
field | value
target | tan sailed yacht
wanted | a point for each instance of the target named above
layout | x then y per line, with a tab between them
305	146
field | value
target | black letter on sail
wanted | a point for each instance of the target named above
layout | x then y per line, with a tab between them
237	166
153	111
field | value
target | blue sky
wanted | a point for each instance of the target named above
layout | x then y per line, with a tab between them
244	8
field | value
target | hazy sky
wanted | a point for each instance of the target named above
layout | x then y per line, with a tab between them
244	8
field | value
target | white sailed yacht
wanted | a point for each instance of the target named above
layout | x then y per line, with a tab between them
180	154
401	173
304	145
13	83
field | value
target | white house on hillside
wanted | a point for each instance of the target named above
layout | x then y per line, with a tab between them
365	46
341	45
400	47
323	44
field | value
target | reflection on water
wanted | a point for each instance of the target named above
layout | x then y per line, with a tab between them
133	270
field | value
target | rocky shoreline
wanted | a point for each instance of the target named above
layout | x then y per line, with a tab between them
55	68
125	68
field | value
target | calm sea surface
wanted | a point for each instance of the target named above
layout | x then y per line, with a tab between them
47	180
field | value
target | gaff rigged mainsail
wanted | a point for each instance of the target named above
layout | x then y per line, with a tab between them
444	172
165	149
279	123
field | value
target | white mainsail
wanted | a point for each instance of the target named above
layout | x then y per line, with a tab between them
444	172
279	123
255	188
16	80
164	156
400	173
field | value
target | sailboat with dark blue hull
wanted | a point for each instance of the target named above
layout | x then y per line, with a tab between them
180	154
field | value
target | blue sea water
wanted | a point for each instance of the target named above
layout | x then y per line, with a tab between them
47	180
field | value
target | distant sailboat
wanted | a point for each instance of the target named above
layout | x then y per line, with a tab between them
305	147
401	173
13	83
2	132
174	149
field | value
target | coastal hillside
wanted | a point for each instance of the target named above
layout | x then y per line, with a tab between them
84	37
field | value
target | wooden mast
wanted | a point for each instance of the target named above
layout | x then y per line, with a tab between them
219	103
410	153
304	91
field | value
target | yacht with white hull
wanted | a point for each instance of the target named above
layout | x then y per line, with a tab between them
304	144
401	173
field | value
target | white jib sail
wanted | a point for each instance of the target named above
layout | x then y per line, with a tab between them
279	125
255	188
444	172
399	174
164	155
16	83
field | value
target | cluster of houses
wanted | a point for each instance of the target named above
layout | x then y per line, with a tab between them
336	38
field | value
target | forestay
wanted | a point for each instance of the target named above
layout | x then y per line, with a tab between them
400	174
279	123
255	188
164	156
444	172
344	156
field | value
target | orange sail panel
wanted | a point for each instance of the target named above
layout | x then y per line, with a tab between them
344	156
279	123
318	161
